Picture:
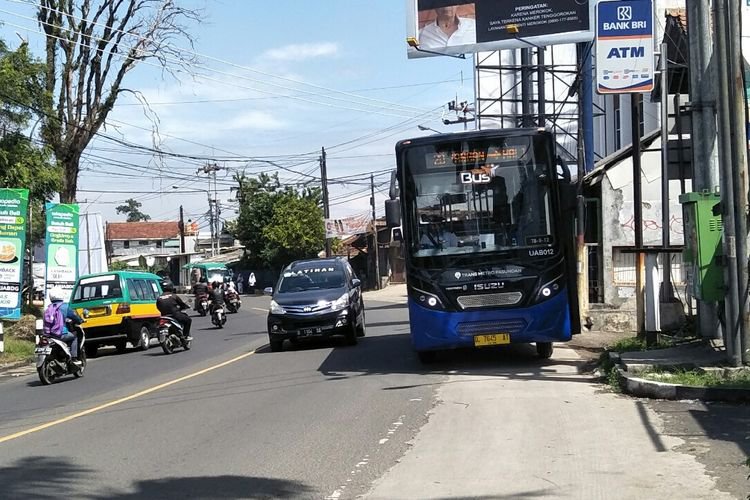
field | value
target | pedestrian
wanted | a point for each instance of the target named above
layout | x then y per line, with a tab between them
251	284
240	283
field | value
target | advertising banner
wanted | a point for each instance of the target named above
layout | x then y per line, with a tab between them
14	204
624	46
458	27
337	228
61	247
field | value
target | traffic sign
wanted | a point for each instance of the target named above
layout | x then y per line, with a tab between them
624	46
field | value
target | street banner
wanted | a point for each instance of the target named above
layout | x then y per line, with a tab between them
61	248
14	205
624	46
358	224
440	27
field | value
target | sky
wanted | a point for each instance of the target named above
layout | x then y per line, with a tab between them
275	82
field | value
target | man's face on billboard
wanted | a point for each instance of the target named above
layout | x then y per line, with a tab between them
446	11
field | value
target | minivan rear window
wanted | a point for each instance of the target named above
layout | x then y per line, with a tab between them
97	288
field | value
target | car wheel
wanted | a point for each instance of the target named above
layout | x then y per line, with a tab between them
144	338
276	345
91	350
361	331
544	350
351	335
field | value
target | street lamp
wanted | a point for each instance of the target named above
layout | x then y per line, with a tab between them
422	127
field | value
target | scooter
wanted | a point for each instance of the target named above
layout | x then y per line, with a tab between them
172	335
54	359
201	304
233	302
218	316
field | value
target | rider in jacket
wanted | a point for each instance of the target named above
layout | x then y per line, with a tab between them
170	304
216	295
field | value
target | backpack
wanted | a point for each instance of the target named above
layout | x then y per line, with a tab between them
53	319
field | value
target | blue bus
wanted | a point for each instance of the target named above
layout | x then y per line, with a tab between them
487	224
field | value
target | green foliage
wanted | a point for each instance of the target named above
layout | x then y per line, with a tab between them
132	209
17	350
23	164
277	223
700	378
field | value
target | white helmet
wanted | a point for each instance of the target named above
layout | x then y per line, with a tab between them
56	294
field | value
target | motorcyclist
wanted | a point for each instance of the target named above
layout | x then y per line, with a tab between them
69	315
170	304
216	296
201	288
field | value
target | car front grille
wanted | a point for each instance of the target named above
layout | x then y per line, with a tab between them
489	299
307	308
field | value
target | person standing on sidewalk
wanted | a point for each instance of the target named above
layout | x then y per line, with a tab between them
251	283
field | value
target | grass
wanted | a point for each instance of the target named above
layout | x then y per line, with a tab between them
629	344
16	350
700	378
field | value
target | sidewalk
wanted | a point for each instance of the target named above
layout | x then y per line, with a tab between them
392	293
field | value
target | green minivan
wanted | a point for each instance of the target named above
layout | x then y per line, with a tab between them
121	308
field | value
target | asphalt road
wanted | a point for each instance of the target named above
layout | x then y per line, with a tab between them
322	420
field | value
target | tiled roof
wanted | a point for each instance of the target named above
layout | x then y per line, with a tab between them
142	230
680	15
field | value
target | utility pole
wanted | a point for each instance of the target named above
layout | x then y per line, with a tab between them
375	232
324	184
640	270
182	230
666	291
728	201
581	257
738	130
213	206
703	85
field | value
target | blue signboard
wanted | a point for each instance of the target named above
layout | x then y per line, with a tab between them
624	46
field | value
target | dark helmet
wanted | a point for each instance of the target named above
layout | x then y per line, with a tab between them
167	287
215	284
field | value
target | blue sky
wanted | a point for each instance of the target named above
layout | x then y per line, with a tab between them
276	82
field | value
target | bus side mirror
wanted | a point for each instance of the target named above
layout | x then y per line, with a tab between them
396	234
392	213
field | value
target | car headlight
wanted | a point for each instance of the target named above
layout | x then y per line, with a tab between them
275	308
341	303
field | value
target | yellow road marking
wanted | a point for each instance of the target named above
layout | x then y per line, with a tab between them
122	400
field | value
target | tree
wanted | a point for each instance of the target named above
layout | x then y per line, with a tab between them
132	209
91	45
24	164
277	223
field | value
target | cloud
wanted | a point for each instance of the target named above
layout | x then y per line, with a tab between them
302	51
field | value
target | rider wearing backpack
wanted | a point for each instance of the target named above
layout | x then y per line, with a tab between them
55	321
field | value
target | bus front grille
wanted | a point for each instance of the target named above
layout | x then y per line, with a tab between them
489	299
511	326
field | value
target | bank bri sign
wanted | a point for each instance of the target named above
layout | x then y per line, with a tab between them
624	46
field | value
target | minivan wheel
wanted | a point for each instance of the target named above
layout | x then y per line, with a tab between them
144	338
361	331
121	346
276	345
351	335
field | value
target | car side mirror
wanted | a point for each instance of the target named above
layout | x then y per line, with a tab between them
268	291
356	283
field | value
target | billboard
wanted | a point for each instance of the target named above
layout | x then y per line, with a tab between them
61	248
450	27
338	228
624	46
13	221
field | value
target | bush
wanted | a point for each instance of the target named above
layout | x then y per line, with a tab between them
23	329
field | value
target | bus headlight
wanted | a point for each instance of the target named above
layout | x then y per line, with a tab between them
551	288
426	299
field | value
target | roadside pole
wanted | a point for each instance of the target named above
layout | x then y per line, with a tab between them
581	257
732	337
703	85
375	232
640	269
324	185
666	264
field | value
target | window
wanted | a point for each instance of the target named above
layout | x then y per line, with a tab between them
133	290
125	244
158	244
145	291
98	287
143	242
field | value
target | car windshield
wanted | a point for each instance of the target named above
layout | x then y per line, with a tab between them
316	277
98	287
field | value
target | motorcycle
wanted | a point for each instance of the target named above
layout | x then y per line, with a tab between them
218	316
54	359
172	335
233	302
201	304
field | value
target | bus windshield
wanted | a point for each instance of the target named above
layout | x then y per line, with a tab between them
478	196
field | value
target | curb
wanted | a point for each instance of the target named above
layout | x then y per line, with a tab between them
640	387
14	366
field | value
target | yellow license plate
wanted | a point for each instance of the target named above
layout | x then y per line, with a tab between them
493	339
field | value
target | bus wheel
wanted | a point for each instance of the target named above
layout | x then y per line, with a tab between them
544	350
427	357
